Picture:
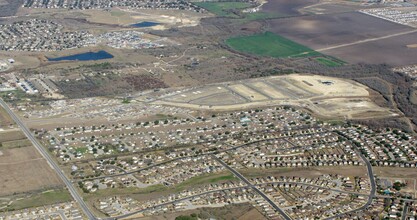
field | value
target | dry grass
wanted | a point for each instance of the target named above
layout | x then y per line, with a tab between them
23	169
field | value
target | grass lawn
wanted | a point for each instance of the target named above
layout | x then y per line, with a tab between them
329	62
221	8
81	150
45	198
269	44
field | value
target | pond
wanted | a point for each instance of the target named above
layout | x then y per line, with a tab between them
100	55
145	24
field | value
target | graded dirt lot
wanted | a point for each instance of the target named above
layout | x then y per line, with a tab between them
325	96
321	31
23	169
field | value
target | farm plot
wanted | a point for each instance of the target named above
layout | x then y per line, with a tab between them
269	44
287	7
392	51
322	31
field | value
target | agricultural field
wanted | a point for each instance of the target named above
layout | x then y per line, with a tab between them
223	9
269	44
322	31
286	7
363	38
392	51
330	62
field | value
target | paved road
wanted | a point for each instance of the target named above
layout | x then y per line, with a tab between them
241	177
52	163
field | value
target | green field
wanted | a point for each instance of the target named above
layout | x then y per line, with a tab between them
45	198
329	61
269	44
222	8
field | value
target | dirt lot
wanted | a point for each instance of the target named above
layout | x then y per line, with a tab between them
321	31
23	169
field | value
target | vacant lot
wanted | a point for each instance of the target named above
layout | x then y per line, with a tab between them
321	31
5	120
44	198
222	8
269	44
23	169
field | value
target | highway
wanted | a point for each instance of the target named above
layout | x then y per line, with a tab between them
51	162
241	177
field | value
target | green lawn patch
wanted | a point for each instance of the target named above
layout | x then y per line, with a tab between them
269	44
223	9
330	62
81	150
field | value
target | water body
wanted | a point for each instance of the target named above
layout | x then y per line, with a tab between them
100	55
145	24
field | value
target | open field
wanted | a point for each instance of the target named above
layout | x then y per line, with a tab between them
329	62
286	7
325	96
23	169
159	190
384	41
321	31
5	120
305	172
269	44
45	198
222	8
393	51
11	135
243	211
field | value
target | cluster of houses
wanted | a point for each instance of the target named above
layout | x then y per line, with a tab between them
387	147
405	16
305	150
61	211
97	108
105	4
125	40
117	138
167	174
298	196
39	35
